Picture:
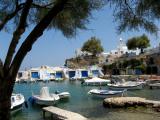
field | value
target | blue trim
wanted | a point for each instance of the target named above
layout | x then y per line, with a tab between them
72	74
84	73
35	75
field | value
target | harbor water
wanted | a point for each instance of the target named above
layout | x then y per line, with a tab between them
81	102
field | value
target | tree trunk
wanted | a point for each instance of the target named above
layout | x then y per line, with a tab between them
6	88
5	108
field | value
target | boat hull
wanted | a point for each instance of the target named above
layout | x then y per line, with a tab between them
17	101
105	93
95	84
16	108
154	85
64	95
106	96
135	87
42	102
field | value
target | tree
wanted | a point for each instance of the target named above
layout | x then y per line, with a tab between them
143	42
67	16
132	43
93	46
136	14
140	42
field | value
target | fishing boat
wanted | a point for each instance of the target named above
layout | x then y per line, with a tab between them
17	101
62	95
153	83
45	98
105	93
95	81
126	85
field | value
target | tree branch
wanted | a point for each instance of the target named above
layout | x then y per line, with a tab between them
16	2
130	10
10	16
17	34
1	69
48	6
34	35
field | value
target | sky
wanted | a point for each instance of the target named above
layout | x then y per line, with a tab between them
52	48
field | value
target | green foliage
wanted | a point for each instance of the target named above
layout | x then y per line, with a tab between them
141	67
143	41
125	63
136	14
93	45
134	63
74	16
140	42
132	43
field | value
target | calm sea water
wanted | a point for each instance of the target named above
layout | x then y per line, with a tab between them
84	104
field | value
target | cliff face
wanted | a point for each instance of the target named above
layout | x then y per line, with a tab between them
82	62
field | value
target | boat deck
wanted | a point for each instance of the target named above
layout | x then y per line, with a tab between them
60	114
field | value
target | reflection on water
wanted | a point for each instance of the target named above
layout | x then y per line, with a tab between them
84	104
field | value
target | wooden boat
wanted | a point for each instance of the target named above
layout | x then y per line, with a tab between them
62	95
154	85
126	85
96	81
105	93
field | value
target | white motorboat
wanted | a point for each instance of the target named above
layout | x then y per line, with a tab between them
17	101
105	93
96	81
63	95
45	98
126	85
153	83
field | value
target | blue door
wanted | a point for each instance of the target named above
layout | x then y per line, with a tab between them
84	73
72	74
35	75
95	73
58	74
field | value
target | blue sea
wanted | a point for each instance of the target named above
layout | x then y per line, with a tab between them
83	103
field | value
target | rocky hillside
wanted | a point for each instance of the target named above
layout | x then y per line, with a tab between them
82	62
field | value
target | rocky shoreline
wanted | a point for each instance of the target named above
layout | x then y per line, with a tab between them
124	102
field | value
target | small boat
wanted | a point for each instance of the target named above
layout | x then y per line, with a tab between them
73	79
126	85
153	83
45	98
62	95
17	101
105	93
95	81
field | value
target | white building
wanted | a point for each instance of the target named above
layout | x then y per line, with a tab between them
121	49
79	53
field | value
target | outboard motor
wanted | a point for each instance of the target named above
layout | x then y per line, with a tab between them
31	100
26	104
